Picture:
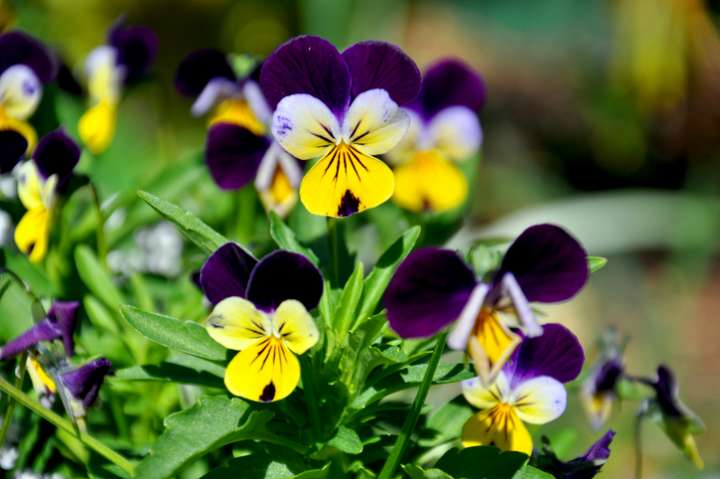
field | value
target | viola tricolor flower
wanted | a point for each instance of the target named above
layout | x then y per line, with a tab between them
528	389
80	386
343	109
586	466
599	390
40	182
261	309
444	129
239	147
434	287
108	68
58	324
25	66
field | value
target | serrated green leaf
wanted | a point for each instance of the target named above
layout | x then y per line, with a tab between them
96	277
285	238
184	336
192	227
596	263
258	465
378	279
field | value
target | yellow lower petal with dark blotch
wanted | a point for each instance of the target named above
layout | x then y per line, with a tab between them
498	426
266	371
97	126
346	181
237	111
429	182
491	344
24	128
31	233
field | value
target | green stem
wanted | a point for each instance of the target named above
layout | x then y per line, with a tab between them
638	444
333	236
53	418
401	444
10	409
100	229
245	202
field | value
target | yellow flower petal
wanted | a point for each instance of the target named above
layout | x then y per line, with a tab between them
498	426
345	182
266	371
97	126
429	182
236	324
41	380
280	197
31	234
484	396
25	129
237	111
491	344
295	326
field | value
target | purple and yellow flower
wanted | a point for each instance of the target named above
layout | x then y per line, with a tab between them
444	129
80	386
239	147
586	466
261	310
125	58
598	392
528	389
434	287
40	182
344	110
25	66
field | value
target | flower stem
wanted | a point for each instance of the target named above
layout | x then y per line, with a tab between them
333	236
53	418
401	444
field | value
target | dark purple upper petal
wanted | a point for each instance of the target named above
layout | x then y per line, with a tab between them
84	382
198	68
67	81
58	324
607	376
12	148
136	48
600	450
63	314
233	154
306	64
284	275
666	392
450	82
556	353
383	65
56	154
20	48
226	273
548	263
428	291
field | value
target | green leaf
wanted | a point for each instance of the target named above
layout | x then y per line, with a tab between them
98	314
345	313
96	277
169	372
285	238
184	336
417	472
346	440
378	279
211	423
529	472
596	263
260	465
190	225
444	374
482	462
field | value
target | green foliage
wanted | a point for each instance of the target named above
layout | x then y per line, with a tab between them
596	263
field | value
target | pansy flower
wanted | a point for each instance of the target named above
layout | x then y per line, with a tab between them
25	66
108	68
586	466
40	182
239	147
444	128
261	310
59	323
599	390
528	389
434	287
343	109
80	386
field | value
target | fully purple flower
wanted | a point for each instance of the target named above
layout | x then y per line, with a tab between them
434	288
25	66
239	147
444	128
586	466
58	324
81	385
261	309
528	389
343	109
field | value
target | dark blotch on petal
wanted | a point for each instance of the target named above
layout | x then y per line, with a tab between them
233	154
450	82
284	275
198	68
20	48
226	273
136	48
548	263
12	148
383	65
56	154
84	382
268	393
349	204
306	64
428	291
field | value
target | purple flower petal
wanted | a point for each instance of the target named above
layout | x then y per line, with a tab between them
557	353
306	64
84	382
136	48
198	68
20	48
284	275
63	314
548	263
58	324
383	65
606	377
600	450
450	82
233	154
666	393
226	273
12	149
428	291
56	154
67	81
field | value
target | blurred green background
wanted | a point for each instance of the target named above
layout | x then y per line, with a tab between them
602	116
